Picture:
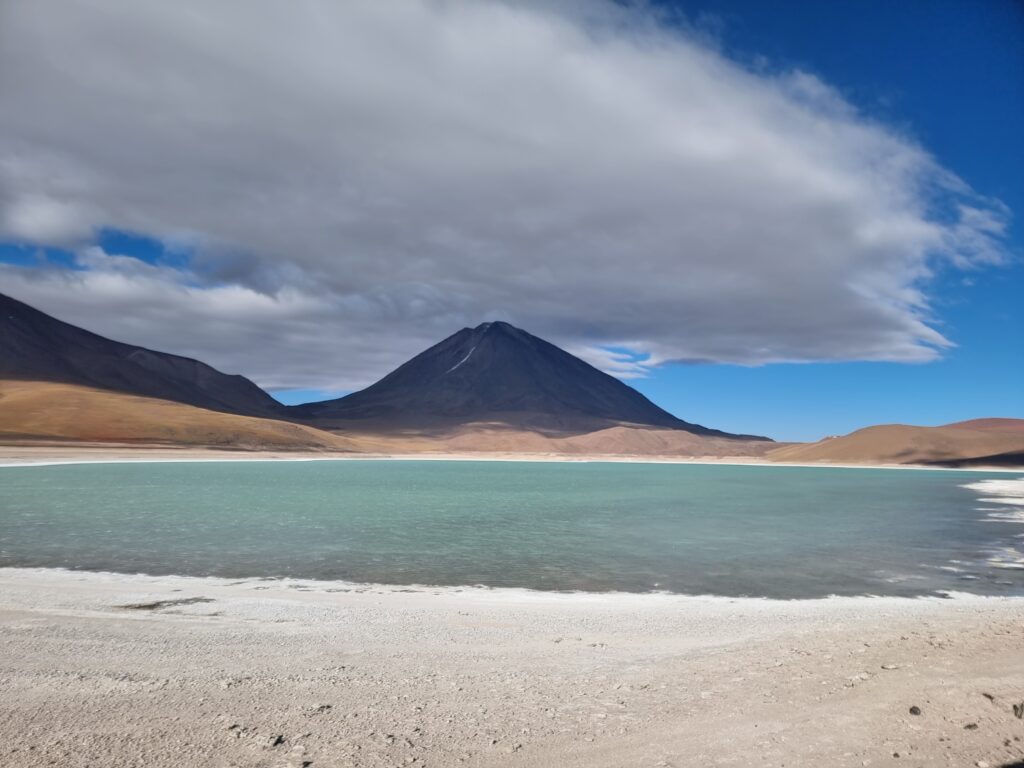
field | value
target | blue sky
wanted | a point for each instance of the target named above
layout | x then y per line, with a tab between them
952	73
278	218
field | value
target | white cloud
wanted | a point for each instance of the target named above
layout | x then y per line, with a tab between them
42	219
361	178
619	363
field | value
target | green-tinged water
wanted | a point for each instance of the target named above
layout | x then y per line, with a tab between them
700	529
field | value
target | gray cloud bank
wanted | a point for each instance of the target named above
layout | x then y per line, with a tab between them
354	180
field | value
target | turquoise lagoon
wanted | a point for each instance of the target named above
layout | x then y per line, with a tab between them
780	532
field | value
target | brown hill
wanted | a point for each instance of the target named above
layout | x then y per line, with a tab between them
997	442
45	411
1011	426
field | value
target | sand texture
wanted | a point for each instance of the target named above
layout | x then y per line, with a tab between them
43	411
105	670
993	441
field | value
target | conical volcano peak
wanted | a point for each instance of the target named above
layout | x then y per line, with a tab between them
488	332
495	326
497	373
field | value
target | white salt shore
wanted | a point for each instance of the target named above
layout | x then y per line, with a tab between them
116	670
54	455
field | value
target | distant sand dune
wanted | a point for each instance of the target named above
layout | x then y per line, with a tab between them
995	441
31	410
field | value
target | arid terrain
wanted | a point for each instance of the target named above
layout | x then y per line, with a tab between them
125	671
45	419
37	411
993	442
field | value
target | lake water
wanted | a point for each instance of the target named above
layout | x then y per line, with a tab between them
784	532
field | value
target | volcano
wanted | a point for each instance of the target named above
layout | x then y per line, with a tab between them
495	374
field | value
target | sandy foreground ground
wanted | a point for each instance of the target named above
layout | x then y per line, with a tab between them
113	670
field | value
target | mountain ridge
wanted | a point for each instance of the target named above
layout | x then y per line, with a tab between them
982	442
35	346
495	376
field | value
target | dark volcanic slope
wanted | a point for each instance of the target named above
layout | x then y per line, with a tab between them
495	372
36	346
